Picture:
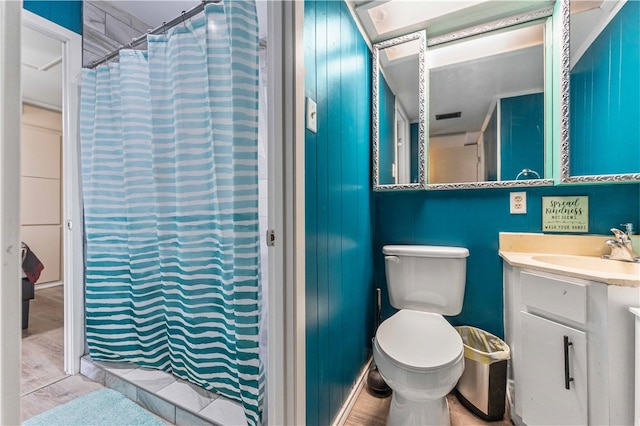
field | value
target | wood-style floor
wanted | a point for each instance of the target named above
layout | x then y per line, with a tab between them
44	382
371	411
43	341
58	393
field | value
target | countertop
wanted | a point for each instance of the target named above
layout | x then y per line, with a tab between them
527	260
525	249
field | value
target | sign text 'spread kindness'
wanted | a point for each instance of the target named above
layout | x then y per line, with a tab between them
565	214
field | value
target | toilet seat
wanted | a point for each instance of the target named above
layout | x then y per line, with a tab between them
419	341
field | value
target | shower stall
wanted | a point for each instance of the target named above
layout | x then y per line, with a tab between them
174	181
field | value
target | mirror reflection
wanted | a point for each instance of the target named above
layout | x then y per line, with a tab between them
399	143
487	107
604	101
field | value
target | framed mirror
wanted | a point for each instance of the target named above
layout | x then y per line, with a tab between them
399	119
491	95
490	105
601	136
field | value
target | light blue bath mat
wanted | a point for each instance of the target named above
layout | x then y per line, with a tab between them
103	407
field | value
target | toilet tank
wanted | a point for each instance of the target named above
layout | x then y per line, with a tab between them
426	278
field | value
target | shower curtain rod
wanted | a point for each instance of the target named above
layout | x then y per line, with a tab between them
160	29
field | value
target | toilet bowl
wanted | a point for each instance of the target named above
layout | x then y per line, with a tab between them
417	352
421	357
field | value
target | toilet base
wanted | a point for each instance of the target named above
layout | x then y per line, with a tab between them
405	411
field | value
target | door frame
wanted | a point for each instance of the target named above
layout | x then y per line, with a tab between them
286	384
73	252
10	300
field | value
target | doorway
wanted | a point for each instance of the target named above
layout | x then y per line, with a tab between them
50	200
41	211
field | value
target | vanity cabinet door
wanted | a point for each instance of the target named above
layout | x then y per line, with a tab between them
545	399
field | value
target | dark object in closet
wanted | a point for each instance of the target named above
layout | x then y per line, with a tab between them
31	265
28	293
31	268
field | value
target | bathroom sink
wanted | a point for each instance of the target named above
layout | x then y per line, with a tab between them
591	263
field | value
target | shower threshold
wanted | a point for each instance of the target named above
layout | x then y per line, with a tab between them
175	400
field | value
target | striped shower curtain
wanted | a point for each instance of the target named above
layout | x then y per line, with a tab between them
169	170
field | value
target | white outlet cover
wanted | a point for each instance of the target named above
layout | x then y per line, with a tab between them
312	116
518	203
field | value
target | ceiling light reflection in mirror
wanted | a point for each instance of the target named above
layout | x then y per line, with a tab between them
387	17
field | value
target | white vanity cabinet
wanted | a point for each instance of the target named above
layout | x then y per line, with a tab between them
572	349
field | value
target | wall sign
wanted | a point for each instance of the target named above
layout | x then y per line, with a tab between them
565	214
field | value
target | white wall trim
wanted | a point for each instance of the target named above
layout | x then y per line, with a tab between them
276	376
10	299
48	285
72	238
286	395
344	412
39	104
296	186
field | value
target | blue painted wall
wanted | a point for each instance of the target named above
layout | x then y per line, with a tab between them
67	14
473	219
339	236
605	99
521	135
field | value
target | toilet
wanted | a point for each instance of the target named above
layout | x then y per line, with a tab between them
417	352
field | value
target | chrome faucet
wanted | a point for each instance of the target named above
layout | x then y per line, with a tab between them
621	247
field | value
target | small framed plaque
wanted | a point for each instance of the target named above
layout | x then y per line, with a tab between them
565	214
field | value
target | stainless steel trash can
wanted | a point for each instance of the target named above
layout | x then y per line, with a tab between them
482	387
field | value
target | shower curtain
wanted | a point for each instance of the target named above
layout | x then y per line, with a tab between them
170	188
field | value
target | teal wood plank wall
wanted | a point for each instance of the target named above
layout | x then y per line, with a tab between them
339	236
67	14
605	99
521	135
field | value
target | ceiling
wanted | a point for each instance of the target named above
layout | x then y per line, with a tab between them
41	69
166	10
385	19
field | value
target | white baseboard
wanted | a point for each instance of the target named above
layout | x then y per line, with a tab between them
342	416
48	285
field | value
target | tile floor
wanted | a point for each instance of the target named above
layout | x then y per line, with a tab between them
173	399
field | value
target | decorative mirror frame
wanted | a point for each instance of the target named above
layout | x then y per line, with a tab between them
565	155
485	28
422	90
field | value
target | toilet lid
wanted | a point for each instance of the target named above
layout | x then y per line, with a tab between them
419	340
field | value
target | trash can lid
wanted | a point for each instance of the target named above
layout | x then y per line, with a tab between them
482	346
419	340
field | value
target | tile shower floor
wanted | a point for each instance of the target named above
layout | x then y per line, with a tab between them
175	400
